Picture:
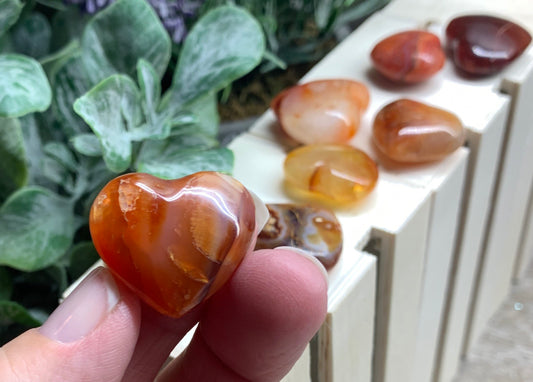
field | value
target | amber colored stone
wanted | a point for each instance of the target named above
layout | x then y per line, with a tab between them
410	56
173	242
484	45
312	228
413	132
330	173
325	111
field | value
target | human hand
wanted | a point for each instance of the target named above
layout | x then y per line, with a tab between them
254	329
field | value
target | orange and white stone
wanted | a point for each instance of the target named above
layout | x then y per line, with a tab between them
324	111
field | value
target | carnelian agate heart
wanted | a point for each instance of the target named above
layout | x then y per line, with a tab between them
413	132
410	56
325	111
173	242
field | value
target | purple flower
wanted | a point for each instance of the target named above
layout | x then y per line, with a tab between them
174	14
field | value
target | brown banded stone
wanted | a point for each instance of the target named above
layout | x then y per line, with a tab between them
312	228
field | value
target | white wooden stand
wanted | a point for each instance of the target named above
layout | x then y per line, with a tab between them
500	253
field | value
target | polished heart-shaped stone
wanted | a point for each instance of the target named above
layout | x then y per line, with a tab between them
324	111
410	56
173	242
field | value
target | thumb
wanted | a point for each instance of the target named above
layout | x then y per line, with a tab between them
89	337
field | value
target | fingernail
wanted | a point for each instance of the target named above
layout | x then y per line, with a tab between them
261	213
310	257
83	309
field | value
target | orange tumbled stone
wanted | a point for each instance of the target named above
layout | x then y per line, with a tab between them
324	111
413	132
410	56
173	242
330	173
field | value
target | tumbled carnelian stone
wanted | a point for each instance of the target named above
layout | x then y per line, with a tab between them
483	45
330	173
413	132
324	111
410	56
173	242
309	227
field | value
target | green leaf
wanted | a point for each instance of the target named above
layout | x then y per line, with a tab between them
36	228
62	154
34	148
31	36
223	46
112	109
150	85
206	110
9	13
56	173
87	144
124	32
70	82
55	4
54	61
67	26
24	87
152	150
6	285
58	273
14	313
172	164
12	157
80	258
157	126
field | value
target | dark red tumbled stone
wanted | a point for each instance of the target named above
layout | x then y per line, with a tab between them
410	56
484	45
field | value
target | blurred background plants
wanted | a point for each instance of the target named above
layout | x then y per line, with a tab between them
90	89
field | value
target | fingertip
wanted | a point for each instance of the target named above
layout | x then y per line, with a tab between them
259	324
81	337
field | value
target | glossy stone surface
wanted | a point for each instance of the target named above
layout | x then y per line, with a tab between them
325	111
413	132
173	242
332	174
409	57
312	228
484	45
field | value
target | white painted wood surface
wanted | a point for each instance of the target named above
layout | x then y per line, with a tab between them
481	177
345	340
526	246
510	206
501	258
